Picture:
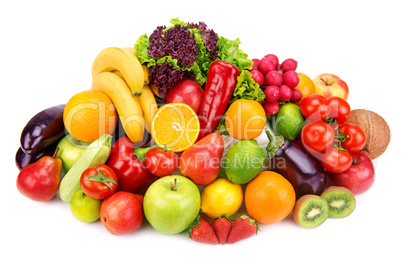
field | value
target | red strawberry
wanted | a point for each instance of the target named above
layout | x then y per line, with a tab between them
222	226
201	231
243	227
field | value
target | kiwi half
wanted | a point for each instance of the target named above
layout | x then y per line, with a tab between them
340	200
310	211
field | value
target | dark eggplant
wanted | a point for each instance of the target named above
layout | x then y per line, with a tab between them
297	165
23	159
45	128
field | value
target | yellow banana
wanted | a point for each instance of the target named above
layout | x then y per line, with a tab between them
148	105
123	60
128	106
144	68
147	102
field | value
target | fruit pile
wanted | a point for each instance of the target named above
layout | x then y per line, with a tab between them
176	136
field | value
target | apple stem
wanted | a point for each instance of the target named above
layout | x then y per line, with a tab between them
174	184
55	152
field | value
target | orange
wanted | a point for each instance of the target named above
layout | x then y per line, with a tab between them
306	85
245	119
89	115
175	125
269	198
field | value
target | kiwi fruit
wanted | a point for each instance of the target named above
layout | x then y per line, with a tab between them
310	211
340	200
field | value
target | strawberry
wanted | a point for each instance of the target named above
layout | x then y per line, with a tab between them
222	226
243	227
201	231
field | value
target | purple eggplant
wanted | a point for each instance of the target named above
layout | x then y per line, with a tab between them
23	159
45	128
297	165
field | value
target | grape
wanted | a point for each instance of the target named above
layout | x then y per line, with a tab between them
266	65
296	95
273	78
272	93
272	58
257	76
285	93
289	65
271	107
290	78
255	64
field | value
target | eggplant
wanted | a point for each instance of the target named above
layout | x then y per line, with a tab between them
45	128
22	159
300	168
296	164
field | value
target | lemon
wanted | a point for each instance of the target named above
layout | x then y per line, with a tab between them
221	197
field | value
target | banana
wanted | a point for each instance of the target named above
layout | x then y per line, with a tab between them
124	60
128	106
144	68
147	102
148	105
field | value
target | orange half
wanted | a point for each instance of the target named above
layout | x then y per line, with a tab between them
175	125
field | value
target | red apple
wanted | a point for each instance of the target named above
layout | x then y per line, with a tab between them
359	177
122	213
330	85
188	92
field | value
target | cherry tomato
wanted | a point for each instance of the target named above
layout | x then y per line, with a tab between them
98	182
339	109
315	107
317	136
356	139
161	163
336	161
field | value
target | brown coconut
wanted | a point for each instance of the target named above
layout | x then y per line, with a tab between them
376	129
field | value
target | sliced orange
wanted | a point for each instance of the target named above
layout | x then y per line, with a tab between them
175	125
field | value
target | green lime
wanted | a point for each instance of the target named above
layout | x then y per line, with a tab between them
243	161
288	122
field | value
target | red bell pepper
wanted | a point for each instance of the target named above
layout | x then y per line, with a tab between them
221	82
132	174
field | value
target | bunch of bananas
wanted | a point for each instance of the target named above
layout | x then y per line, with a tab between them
118	73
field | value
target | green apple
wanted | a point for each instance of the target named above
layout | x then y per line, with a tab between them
171	204
69	151
85	208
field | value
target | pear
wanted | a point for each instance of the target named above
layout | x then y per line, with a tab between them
40	181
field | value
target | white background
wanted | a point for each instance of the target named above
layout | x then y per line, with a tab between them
46	54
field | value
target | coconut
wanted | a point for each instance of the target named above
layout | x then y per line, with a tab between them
376	129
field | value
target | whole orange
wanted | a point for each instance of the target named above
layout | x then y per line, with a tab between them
89	115
245	119
306	85
269	198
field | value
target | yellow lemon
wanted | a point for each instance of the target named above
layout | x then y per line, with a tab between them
221	197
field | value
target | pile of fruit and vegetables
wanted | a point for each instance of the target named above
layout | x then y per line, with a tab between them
184	130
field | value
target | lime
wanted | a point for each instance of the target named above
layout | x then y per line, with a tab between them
288	122
221	197
243	161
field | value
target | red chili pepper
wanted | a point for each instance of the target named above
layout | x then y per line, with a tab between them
221	82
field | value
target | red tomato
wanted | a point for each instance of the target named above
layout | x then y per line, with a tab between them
336	161
315	107
317	136
339	109
355	140
98	182
161	163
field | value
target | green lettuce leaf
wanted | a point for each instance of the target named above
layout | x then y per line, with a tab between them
141	51
228	50
247	88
